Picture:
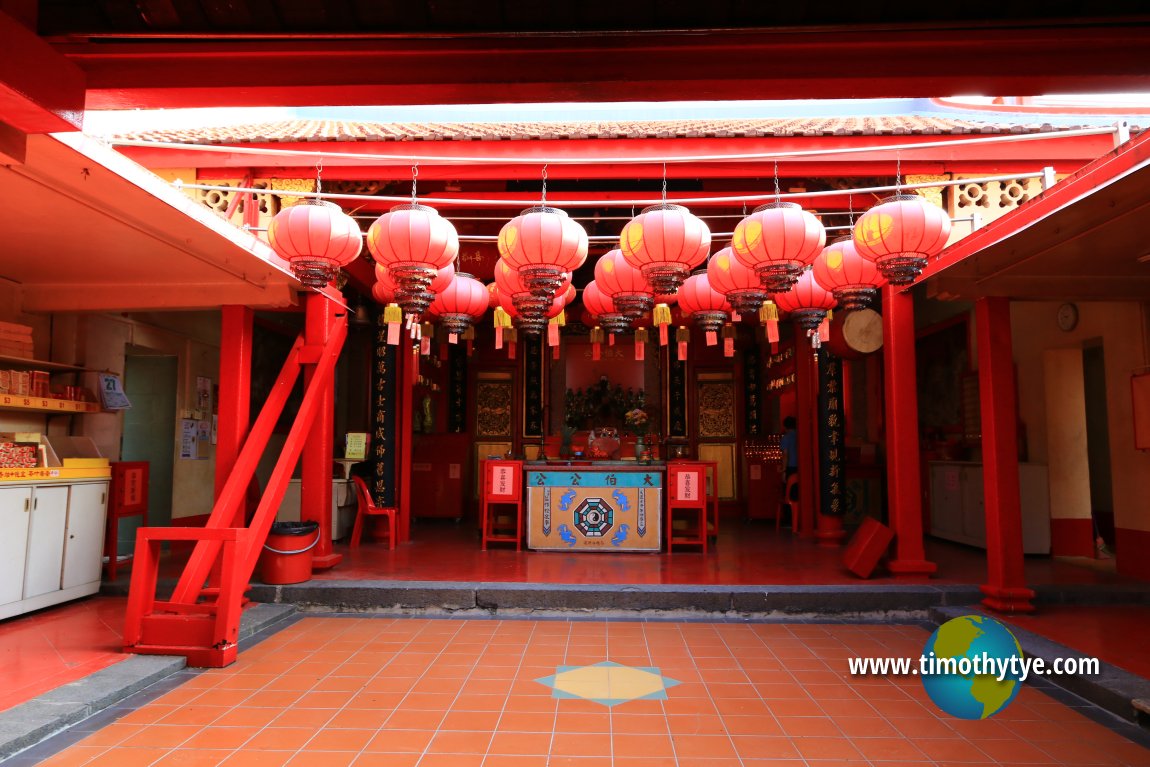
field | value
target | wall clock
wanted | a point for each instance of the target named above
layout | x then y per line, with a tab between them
1067	317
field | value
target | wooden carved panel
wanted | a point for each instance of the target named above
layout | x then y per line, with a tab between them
717	410
493	409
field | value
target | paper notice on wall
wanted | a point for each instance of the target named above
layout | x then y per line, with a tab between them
112	395
189	438
203	439
355	446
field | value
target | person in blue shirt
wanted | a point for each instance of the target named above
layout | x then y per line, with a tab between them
789	444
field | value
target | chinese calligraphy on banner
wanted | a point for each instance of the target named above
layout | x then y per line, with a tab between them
832	431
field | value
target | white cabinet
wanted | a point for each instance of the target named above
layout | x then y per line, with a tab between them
45	551
51	543
15	511
84	534
957	512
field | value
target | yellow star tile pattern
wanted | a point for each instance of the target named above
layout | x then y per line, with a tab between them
608	683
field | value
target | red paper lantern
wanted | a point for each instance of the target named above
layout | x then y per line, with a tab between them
415	300
317	239
493	295
702	303
852	279
413	242
807	302
778	240
382	293
604	309
735	280
624	284
900	234
542	244
665	242
463	301
529	304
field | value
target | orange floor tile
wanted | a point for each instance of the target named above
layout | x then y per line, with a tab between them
340	691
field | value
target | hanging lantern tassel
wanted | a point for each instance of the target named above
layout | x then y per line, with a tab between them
469	337
728	341
425	333
825	329
769	317
392	315
662	318
712	337
553	326
502	320
682	337
640	344
596	342
610	339
512	337
452	338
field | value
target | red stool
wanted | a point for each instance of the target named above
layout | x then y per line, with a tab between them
366	508
687	497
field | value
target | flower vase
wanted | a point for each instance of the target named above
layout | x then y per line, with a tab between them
640	446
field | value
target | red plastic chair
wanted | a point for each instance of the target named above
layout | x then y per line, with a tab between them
790	491
366	508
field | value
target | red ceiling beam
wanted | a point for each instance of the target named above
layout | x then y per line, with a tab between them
860	62
40	90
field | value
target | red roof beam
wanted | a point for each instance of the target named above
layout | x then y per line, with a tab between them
40	90
860	62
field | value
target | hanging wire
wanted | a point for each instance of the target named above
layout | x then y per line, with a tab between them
664	183
851	208
414	178
543	195
778	191
318	177
898	172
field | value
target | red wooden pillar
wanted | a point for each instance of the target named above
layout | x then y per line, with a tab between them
1005	589
322	317
904	461
806	407
234	401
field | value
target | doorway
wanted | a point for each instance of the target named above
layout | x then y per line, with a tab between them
150	435
1098	442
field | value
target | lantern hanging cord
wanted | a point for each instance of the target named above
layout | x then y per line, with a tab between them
664	183
543	194
414	179
319	177
447	159
898	172
588	203
778	191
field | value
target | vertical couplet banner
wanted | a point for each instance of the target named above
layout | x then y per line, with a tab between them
384	393
676	397
752	391
832	432
533	350
457	389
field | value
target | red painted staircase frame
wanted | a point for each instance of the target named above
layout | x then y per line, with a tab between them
200	621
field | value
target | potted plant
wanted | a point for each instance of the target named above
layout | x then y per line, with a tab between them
636	420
